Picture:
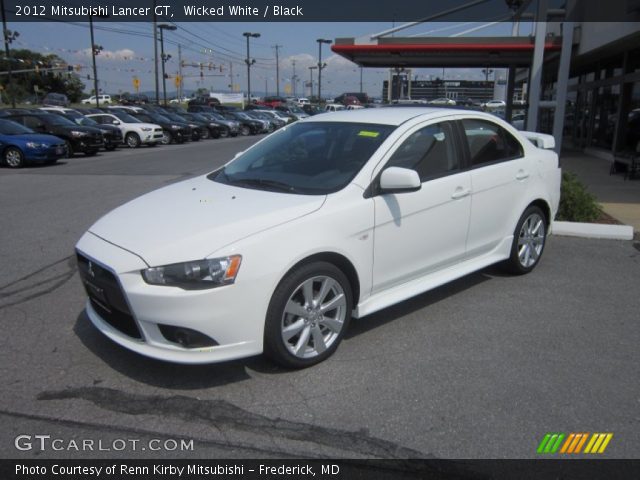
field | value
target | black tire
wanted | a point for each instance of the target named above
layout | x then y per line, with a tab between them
245	131
132	140
215	133
224	133
205	135
234	134
524	240
70	151
13	158
275	346
167	138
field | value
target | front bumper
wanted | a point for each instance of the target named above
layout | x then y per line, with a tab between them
87	145
222	313
45	154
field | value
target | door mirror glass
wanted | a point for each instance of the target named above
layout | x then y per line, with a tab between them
116	122
398	179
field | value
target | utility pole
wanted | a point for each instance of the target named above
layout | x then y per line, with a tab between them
8	38
294	79
277	47
360	79
231	76
155	52
180	72
311	69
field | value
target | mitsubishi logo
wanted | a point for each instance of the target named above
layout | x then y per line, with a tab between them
90	270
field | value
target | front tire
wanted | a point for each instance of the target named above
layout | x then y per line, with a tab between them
245	131
529	239
308	314
13	158
167	138
132	139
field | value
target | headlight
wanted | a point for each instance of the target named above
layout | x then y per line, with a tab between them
146	129
76	133
193	125
35	145
175	127
199	274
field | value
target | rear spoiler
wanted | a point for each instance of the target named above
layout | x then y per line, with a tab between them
541	140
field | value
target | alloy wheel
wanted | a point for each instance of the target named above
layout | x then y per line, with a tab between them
313	316
531	240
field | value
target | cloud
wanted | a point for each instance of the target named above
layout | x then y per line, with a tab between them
122	54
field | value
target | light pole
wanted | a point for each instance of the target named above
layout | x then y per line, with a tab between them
311	69
165	58
249	61
487	71
321	65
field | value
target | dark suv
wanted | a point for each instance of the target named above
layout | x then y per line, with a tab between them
204	100
78	138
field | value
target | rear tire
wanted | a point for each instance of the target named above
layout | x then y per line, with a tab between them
308	315
529	240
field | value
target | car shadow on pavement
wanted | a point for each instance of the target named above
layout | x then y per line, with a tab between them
164	374
424	300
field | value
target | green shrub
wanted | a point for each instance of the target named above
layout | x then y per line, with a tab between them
576	203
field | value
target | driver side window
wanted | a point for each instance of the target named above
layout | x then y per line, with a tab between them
430	151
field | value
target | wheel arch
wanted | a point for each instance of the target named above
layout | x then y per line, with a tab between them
544	206
340	261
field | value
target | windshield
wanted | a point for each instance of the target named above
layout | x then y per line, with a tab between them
84	121
312	158
125	117
9	127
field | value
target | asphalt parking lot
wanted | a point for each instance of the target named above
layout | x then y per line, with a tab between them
481	368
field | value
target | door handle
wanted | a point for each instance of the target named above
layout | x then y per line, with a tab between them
460	193
521	175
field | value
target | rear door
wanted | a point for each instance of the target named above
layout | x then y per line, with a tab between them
499	175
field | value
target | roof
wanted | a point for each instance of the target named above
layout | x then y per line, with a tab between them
441	51
382	116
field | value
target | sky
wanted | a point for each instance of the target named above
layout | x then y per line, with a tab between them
128	52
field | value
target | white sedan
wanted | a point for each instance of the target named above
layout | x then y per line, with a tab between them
332	217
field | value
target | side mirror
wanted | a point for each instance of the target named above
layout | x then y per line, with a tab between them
399	180
116	122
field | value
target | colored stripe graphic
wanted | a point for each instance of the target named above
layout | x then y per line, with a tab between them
550	443
572	443
598	443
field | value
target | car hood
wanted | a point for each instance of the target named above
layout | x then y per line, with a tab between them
38	137
192	219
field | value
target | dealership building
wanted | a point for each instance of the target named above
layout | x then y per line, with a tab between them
580	80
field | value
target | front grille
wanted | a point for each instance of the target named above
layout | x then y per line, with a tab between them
107	297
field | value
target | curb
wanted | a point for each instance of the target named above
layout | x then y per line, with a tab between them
592	230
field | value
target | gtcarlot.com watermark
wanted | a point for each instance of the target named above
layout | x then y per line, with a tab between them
44	443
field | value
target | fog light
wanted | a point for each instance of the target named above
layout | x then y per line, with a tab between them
186	337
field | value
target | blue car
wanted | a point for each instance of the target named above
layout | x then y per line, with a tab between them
20	145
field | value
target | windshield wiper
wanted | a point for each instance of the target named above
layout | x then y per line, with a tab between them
265	183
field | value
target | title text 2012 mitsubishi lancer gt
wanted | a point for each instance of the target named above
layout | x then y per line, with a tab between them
332	217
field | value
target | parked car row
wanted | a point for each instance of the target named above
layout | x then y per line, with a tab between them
46	134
